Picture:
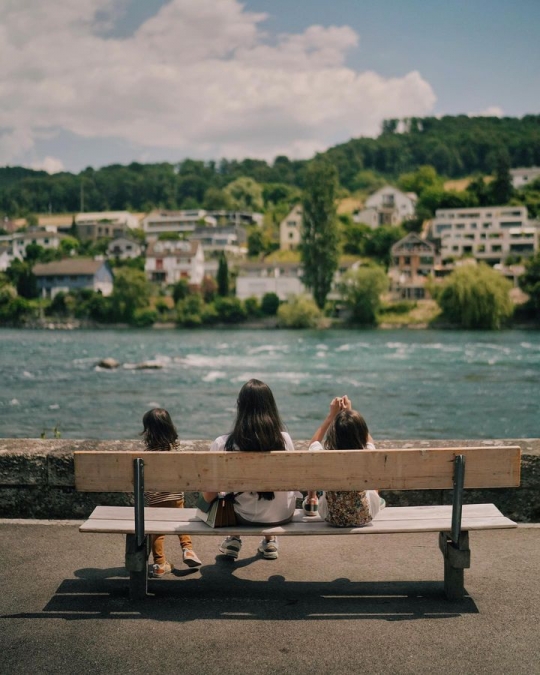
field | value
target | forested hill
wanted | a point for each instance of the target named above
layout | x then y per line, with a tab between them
454	146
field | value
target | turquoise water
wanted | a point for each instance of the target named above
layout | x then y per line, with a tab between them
408	384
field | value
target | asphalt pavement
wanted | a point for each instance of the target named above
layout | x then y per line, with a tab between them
328	605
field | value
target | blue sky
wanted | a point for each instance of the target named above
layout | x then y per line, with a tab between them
108	81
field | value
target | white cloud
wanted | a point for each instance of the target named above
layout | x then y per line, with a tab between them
198	79
49	164
492	111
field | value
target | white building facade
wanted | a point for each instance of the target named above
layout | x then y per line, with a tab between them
177	222
290	230
255	279
524	176
129	220
489	233
124	248
387	206
169	261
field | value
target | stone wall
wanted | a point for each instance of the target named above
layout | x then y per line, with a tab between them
37	478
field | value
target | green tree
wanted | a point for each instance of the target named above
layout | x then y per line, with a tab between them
245	193
180	290
270	304
21	276
216	199
252	306
501	188
379	242
189	311
300	311
420	180
223	276
320	237
476	296
354	237
361	291
131	292
230	310
530	282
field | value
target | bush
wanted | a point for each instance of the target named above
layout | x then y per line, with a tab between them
180	290
361	291
230	310
189	312
270	304
401	307
142	318
300	311
252	306
476	297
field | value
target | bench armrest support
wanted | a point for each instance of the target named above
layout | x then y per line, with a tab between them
457	497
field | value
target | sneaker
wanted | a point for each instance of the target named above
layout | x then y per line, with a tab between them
190	558
310	509
157	571
231	547
269	548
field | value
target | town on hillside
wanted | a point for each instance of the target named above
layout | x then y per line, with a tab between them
226	265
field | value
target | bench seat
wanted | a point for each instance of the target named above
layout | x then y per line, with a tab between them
120	519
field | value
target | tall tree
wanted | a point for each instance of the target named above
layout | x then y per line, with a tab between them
501	188
320	236
223	276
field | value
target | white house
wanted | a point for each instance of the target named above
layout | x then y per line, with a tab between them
7	255
489	233
39	237
524	176
258	278
180	222
387	206
227	238
290	229
73	274
169	261
124	248
130	221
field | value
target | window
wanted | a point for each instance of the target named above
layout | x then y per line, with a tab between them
508	223
460	226
496	249
486	225
406	261
291	235
426	260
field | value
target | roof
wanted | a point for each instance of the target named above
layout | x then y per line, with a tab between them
412	241
40	234
177	249
69	266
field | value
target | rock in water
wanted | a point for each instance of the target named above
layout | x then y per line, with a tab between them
149	365
109	363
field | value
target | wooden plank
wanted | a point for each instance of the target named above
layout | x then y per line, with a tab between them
305	525
399	469
387	514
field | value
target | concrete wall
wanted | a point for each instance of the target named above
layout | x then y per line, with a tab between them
37	479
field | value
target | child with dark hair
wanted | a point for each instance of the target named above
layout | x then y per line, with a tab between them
257	428
344	429
159	433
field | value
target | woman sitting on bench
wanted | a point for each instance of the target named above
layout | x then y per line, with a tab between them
345	429
258	427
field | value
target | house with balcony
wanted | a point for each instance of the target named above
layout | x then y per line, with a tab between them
490	234
169	261
182	223
290	230
231	239
413	261
124	248
130	221
387	206
73	274
42	238
236	218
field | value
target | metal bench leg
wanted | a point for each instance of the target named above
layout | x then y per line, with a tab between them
137	566
457	557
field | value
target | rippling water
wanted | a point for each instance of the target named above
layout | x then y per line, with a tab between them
408	384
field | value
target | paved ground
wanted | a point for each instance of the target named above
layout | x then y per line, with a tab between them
327	605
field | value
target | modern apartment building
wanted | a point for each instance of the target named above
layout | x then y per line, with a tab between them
489	234
178	222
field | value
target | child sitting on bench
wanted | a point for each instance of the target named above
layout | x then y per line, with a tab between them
345	429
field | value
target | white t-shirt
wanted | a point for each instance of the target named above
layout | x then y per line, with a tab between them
250	507
362	499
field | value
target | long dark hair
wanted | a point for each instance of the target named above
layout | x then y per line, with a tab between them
258	426
159	431
348	431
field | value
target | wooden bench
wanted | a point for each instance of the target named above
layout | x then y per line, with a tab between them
399	469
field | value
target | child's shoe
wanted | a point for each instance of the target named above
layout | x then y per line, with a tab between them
191	559
159	570
269	548
310	509
231	547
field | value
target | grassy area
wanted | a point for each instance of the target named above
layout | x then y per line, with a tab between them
406	313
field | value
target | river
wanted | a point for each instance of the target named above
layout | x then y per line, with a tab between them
416	384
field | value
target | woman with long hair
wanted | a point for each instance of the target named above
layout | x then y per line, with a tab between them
257	428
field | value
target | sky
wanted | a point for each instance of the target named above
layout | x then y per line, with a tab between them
97	82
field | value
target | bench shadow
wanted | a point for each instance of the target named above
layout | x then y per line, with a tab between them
214	592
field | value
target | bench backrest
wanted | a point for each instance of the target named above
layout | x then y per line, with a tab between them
399	469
